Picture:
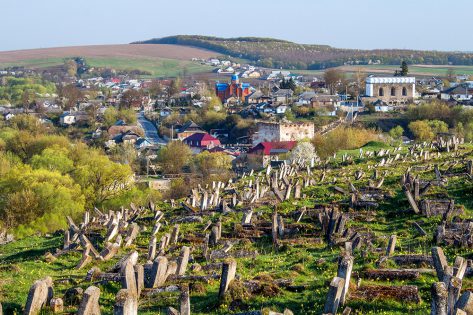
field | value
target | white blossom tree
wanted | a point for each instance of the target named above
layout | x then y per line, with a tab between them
305	151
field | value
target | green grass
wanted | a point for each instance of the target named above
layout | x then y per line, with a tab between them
34	63
159	67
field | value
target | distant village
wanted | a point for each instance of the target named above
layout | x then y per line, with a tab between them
283	107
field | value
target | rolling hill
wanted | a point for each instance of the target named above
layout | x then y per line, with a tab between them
275	53
159	60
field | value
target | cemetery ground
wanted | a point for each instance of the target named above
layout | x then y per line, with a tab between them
284	230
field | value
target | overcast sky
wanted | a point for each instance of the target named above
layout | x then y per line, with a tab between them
413	24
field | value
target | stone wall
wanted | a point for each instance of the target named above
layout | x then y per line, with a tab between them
273	132
398	98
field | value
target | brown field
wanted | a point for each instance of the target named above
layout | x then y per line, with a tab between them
122	51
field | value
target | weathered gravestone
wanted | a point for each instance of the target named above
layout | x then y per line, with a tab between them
39	295
185	300
183	260
126	303
334	295
90	302
158	272
439	299
228	274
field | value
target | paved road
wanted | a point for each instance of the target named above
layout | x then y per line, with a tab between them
151	133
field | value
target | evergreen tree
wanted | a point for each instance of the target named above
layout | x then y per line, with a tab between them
404	69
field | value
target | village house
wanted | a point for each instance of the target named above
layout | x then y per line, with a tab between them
305	98
325	102
273	148
188	129
73	118
282	96
461	92
121	128
142	143
285	131
201	141
265	153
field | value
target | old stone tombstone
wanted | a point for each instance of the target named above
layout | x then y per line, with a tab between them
152	248
465	302
90	302
214	236
139	278
345	267
158	271
37	297
439	261
439	299
391	245
228	274
453	288
334	295
126	303
175	234
185	307
183	260
128	278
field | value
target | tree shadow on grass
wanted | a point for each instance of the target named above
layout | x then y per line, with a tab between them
30	254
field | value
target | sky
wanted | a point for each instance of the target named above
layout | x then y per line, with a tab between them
363	24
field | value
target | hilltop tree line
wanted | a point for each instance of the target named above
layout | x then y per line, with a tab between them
272	53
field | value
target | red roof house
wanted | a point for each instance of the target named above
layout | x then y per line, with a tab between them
273	148
201	141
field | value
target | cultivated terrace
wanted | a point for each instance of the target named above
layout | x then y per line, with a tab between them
379	230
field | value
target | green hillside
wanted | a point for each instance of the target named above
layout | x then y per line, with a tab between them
275	53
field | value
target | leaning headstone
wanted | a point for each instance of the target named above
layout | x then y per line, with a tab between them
334	295
185	300
175	234
439	299
90	302
214	236
152	248
171	311
459	267
172	268
140	278
132	233
391	245
345	267
128	278
439	261
453	288
126	303
183	260
158	271
465	302
37	298
110	251
205	249
228	274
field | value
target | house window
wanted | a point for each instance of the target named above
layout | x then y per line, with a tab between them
404	91
393	91
381	92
